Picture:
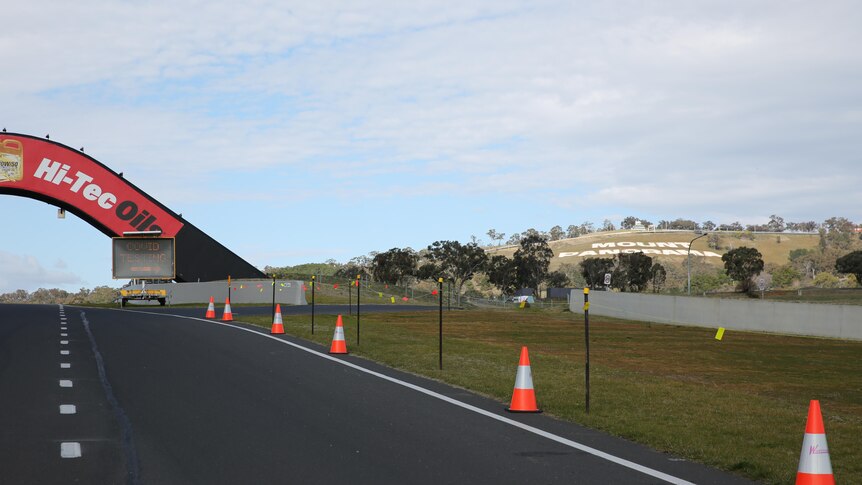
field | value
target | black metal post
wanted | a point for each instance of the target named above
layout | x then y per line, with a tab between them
349	298
228	288
313	284
440	297
357	308
587	340
273	298
449	296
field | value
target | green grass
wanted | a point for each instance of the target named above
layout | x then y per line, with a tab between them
739	404
837	296
375	294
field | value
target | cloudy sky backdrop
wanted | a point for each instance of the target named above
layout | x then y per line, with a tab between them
302	131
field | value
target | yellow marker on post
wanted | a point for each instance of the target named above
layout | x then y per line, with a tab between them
392	299
720	334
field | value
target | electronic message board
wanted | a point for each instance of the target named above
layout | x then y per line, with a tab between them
144	257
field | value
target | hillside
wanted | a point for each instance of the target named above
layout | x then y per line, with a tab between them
671	246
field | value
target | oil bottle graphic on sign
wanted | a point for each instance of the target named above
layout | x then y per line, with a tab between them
11	161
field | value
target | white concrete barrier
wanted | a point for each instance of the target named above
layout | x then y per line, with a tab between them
810	319
287	292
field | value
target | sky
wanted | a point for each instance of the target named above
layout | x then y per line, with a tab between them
297	132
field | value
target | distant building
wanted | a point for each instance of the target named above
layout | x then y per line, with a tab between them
638	226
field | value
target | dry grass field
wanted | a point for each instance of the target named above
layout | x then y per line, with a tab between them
774	248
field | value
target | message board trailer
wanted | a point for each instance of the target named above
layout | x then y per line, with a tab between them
144	258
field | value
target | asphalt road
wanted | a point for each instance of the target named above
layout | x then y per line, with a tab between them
161	399
238	310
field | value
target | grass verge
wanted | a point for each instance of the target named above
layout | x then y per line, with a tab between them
739	404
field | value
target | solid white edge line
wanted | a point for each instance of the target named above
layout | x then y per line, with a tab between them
559	439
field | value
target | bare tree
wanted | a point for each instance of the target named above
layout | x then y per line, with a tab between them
492	233
556	233
776	223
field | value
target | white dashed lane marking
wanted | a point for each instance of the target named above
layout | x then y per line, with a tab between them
70	450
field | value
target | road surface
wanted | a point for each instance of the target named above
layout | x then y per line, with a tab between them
104	396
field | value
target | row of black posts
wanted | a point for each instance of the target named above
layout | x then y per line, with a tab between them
440	326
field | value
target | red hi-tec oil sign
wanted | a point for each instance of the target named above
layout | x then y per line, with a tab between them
59	172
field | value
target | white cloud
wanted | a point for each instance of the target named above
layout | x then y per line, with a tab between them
718	107
27	273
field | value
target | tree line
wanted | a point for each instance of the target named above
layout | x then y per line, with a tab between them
744	265
776	223
100	294
456	263
529	267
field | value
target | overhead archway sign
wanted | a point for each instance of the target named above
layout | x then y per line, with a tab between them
73	179
57	174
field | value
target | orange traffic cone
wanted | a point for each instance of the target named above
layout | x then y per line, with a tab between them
277	324
814	465
228	316
339	346
211	309
524	397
